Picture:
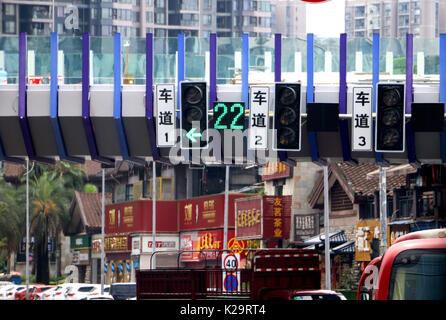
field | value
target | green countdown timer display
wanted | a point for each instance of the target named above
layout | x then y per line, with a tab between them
229	115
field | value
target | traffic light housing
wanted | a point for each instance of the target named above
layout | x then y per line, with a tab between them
390	118
287	117
194	114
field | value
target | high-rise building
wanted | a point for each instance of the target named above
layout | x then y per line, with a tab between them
164	18
394	18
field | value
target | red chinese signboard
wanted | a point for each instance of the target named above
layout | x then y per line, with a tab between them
275	170
202	243
263	217
206	212
137	216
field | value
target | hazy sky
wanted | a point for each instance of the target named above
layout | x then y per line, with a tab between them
326	19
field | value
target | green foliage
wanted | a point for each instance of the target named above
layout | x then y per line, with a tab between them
90	188
51	190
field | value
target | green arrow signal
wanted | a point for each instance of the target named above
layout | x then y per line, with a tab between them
191	135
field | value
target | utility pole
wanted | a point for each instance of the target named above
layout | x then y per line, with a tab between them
327	231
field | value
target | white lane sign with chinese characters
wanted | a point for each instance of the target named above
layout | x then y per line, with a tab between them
362	119
165	115
258	117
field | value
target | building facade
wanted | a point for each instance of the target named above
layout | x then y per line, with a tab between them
163	18
394	18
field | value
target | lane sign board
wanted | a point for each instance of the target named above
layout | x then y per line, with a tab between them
165	115
258	117
362	136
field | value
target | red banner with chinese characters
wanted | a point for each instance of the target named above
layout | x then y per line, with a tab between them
137	216
275	170
203	242
206	212
263	217
249	218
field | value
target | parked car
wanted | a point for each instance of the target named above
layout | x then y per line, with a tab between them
317	295
8	292
41	290
98	297
58	293
79	290
123	291
97	290
21	294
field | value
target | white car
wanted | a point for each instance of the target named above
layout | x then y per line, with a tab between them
97	290
8	292
80	290
59	292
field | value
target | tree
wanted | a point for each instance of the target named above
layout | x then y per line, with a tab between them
49	212
11	215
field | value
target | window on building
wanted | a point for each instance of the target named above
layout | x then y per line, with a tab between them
160	3
387	9
403	7
189	4
417	20
9	27
106	13
9	9
367	209
206	19
207	4
149	17
160	33
374	9
360	24
128	192
160	18
359	11
403	21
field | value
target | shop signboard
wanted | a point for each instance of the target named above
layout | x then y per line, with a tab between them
136	216
275	170
206	212
82	241
117	243
163	243
367	239
263	217
305	226
207	244
96	246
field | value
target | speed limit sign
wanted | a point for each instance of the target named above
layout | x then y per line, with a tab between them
230	261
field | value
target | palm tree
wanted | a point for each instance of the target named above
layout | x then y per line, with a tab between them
10	221
49	209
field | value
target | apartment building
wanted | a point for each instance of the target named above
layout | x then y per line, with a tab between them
394	18
164	18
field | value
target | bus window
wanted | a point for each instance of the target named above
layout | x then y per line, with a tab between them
419	275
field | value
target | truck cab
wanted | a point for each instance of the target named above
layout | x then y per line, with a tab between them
413	268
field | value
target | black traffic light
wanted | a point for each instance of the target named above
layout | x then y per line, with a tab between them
287	117
194	114
390	118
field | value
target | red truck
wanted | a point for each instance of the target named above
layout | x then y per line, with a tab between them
268	272
413	268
